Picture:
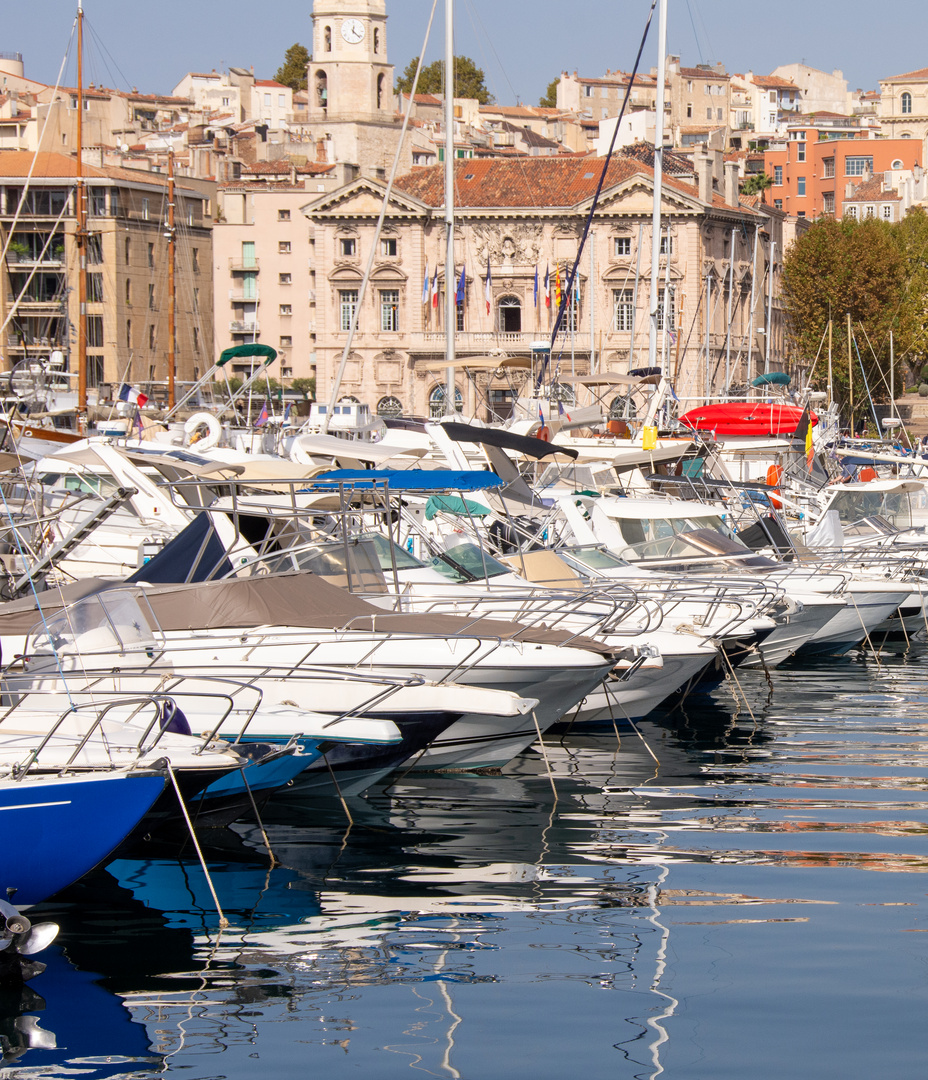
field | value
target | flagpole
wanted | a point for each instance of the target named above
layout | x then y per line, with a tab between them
658	181
450	313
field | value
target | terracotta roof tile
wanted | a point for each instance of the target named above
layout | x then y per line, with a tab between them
909	76
872	191
774	82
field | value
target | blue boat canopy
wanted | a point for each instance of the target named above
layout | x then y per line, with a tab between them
772	378
410	479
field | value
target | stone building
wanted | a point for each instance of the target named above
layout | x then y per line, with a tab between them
903	111
127	281
524	218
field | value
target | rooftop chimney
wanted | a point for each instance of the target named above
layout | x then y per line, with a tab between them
703	164
731	183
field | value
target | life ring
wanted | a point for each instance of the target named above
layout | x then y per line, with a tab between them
543	433
193	435
774	476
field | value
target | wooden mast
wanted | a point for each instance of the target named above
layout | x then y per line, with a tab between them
80	235
171	297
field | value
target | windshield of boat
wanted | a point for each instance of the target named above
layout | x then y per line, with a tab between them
389	553
467	562
114	621
652	538
577	477
355	565
855	504
593	557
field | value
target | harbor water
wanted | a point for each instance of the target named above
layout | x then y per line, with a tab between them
752	903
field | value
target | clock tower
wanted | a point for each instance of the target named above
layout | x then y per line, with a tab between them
350	79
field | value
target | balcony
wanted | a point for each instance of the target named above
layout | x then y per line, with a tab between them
434	340
250	328
242	266
238	296
52	258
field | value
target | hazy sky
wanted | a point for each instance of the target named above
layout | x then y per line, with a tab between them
520	44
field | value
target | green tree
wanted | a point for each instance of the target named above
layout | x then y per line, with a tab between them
910	332
304	386
292	72
468	79
756	185
549	99
838	268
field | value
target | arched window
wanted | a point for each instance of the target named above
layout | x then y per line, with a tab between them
389	406
380	91
510	315
376	40
562	392
322	90
906	103
437	401
328	38
897	164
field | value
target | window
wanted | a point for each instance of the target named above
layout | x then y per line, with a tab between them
718	114
778	174
623	303
128	249
828	202
94	331
195	260
870	210
151	336
94	250
283	215
376	40
283	247
348	247
347	306
857	166
151	255
800	185
97	203
145	210
267	101
906	103
886	211
588	91
189	209
437	401
128	333
196	299
151	298
327	36
709	113
571	322
281	101
286	341
94	288
248	253
850	211
800	213
666	244
622	245
285	309
128	292
284	279
667	295
196	349
94	370
388	246
828	167
389	406
225	101
389	309
689	111
897	164
778	204
510	315
800	151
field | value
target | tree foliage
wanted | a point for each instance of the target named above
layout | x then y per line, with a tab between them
549	99
292	72
305	386
841	268
469	80
756	185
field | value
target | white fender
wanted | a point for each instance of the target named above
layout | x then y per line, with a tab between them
193	436
299	454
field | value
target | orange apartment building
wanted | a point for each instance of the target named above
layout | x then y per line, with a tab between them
813	168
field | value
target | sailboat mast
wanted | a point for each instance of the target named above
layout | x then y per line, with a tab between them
658	180
171	289
450	290
80	235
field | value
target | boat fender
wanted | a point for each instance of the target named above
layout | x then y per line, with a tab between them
173	720
193	436
774	476
543	433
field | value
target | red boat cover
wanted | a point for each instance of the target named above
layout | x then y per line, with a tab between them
746	418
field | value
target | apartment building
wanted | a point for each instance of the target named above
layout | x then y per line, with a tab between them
126	274
903	109
811	169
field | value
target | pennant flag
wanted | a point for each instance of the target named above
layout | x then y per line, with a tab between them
558	292
435	290
561	411
287	412
488	290
425	285
547	286
536	285
459	295
263	416
541	417
810	452
130	394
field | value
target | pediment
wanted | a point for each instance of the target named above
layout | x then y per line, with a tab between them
362	198
636	196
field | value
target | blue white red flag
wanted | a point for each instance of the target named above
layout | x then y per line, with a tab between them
130	394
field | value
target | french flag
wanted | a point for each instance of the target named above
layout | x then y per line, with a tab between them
130	394
547	286
489	289
435	290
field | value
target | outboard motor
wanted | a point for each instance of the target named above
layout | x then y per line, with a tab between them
19	939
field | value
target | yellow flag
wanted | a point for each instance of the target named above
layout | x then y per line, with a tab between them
648	438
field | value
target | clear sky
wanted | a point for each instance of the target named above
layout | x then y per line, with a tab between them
520	44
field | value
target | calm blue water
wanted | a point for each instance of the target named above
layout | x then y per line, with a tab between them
753	906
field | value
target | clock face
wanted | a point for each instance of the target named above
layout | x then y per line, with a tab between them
353	31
